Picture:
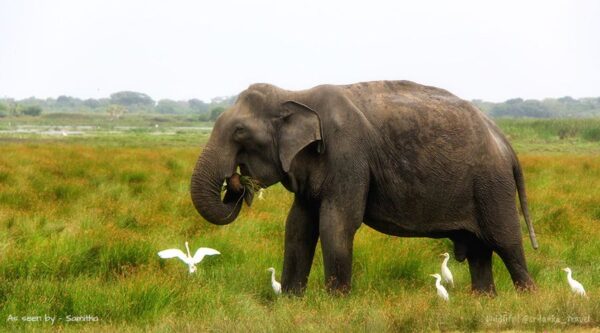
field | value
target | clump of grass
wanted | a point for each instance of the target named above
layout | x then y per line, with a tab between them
244	184
591	134
173	165
135	177
65	192
556	220
4	177
16	200
128	222
596	213
120	258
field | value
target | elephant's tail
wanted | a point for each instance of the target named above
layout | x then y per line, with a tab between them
520	181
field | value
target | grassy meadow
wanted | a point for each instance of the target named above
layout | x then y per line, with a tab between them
82	218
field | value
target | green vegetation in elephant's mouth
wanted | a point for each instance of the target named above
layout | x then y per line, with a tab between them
246	185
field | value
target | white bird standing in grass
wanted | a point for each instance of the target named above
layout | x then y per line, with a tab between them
276	285
446	274
441	291
576	287
188	259
260	194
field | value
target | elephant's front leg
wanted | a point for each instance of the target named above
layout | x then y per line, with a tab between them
338	222
301	234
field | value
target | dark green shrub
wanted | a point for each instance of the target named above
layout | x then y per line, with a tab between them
591	134
32	110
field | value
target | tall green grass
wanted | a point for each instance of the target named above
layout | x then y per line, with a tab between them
553	135
80	226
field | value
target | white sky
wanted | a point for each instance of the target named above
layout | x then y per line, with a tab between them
493	50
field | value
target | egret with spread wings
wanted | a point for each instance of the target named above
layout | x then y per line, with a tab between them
188	259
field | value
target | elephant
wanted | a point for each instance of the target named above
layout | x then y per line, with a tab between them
405	159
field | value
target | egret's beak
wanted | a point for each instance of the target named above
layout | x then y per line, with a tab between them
432	275
564	269
441	254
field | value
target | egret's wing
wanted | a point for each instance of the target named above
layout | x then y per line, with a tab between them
446	274
446	296
173	253
276	287
443	293
579	288
203	251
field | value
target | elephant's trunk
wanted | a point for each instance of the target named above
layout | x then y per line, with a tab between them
212	168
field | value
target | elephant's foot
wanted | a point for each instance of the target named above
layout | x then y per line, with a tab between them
336	287
483	289
525	286
293	284
294	290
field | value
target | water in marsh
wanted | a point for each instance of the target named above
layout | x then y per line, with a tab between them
54	130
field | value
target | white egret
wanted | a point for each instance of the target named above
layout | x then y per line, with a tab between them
446	274
188	259
260	194
576	287
441	291
276	285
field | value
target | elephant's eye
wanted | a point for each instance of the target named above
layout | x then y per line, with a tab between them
239	131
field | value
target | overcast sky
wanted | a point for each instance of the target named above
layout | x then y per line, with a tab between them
492	50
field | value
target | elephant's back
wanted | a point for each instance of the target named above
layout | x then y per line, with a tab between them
394	86
428	126
376	96
407	113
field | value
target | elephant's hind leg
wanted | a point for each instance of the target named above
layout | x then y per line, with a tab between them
514	259
499	226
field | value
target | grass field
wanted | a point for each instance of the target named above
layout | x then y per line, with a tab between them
81	220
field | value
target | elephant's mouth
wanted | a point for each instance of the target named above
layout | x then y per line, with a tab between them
245	170
240	186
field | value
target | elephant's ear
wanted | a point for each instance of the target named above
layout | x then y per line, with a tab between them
301	126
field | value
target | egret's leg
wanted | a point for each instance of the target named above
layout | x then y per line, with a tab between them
301	235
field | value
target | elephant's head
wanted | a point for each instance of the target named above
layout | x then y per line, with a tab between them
261	134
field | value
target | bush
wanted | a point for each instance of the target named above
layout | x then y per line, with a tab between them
591	134
32	110
216	112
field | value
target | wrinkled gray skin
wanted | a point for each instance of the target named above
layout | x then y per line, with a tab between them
405	159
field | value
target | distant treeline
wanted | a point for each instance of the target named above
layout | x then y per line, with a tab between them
136	102
564	107
116	105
